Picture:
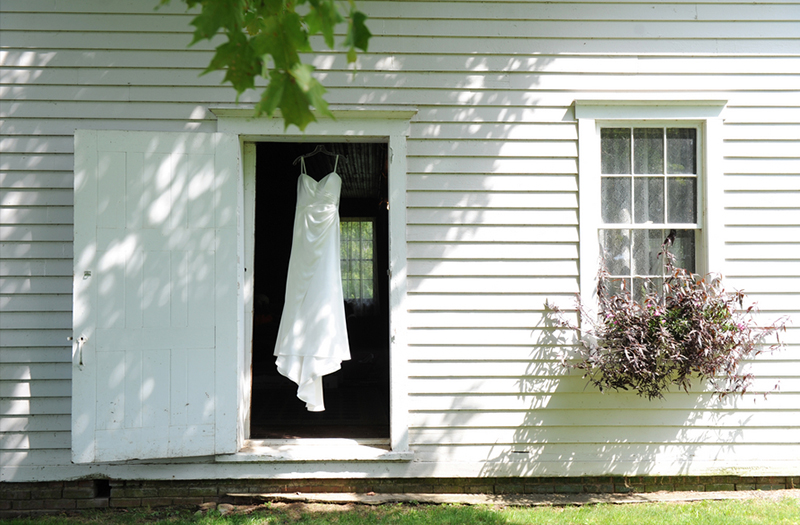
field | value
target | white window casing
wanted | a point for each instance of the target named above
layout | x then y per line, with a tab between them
705	116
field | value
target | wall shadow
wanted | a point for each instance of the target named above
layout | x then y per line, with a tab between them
571	429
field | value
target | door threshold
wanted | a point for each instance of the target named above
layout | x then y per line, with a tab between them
322	449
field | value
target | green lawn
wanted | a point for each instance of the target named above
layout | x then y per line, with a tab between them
745	512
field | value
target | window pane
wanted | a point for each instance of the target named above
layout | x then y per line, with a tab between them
648	150
616	200
682	150
642	287
616	248
347	231
352	249
682	200
618	286
366	270
684	249
646	246
648	199
367	251
615	145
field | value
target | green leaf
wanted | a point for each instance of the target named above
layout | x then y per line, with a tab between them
302	75
294	106
323	17
282	37
357	33
240	60
269	8
266	33
216	14
274	92
314	91
252	23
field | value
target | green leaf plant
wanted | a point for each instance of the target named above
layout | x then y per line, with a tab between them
265	39
691	329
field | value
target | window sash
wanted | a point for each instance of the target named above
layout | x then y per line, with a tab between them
644	196
647	192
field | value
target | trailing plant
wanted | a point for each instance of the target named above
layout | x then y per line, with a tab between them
691	328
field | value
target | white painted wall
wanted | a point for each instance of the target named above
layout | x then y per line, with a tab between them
492	210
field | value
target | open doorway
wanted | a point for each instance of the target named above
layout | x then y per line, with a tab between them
357	396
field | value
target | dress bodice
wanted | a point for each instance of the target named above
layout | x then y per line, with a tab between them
324	191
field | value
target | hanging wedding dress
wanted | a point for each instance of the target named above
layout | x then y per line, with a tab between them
312	336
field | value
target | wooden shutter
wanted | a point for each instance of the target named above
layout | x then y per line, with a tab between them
156	295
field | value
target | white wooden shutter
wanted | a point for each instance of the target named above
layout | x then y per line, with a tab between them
156	306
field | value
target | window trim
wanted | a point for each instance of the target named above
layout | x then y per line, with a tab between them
707	116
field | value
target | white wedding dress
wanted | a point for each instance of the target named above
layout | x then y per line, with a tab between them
312	336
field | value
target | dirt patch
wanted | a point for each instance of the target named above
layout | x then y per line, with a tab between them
292	509
296	509
295	506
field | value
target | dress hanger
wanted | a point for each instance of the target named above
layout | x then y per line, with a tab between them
319	149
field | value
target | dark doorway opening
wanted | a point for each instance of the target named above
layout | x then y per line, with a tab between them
357	396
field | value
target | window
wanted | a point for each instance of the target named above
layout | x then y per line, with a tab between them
647	168
358	263
648	194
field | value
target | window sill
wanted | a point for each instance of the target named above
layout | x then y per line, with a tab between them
288	450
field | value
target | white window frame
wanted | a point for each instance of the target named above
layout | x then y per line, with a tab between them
706	115
388	125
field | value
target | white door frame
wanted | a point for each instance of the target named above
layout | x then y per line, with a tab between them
389	125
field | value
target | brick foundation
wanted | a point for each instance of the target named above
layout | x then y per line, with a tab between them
54	497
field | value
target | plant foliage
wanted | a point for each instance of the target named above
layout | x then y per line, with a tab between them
265	39
691	328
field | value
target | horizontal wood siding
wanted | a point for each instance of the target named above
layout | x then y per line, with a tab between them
492	212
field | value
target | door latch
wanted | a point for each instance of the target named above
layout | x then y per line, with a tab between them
81	340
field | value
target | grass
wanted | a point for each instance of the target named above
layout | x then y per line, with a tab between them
784	511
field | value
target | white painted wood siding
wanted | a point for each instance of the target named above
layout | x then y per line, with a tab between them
492	214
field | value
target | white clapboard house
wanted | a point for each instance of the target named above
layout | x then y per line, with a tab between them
488	149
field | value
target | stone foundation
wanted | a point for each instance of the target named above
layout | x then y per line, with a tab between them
54	497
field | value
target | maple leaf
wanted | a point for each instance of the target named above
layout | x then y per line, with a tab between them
357	35
241	62
265	39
